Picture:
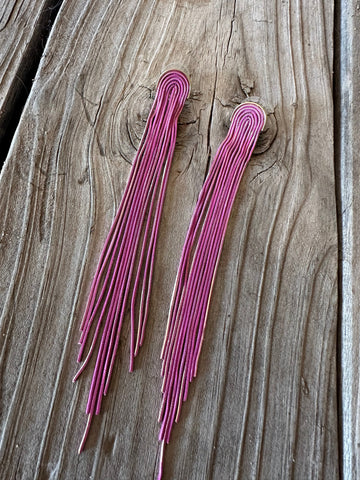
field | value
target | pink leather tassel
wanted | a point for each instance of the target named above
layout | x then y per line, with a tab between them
124	273
199	261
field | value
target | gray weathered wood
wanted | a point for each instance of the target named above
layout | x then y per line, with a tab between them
348	170
264	402
23	25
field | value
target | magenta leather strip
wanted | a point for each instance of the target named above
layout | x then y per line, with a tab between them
125	270
199	261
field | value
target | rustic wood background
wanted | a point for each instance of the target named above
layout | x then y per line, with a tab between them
277	394
347	143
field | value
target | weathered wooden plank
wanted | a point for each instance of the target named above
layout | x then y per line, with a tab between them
24	26
264	403
348	172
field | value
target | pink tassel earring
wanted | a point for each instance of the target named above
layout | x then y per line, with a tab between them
130	245
199	261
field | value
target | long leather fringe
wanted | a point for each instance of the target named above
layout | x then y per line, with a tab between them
199	261
130	246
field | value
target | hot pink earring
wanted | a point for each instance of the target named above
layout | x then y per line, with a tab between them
199	261
129	249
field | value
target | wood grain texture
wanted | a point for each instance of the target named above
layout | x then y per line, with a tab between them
24	25
264	403
348	173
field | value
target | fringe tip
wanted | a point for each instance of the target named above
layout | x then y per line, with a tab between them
131	366
86	433
76	376
161	461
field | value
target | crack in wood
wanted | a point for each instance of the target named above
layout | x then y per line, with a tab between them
23	64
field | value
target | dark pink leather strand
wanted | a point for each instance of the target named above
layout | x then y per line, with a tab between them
127	260
199	261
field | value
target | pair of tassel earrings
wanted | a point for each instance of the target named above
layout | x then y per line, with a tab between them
124	274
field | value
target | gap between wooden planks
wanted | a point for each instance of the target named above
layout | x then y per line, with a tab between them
264	402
